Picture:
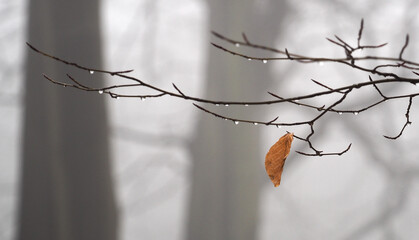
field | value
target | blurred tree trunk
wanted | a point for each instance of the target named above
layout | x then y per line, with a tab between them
66	189
227	160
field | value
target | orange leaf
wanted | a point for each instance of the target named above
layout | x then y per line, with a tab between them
276	156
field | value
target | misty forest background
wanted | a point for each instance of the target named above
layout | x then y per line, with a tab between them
78	165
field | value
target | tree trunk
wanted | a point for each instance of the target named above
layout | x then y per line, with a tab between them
227	160
66	189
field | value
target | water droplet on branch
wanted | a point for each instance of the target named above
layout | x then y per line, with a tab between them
91	71
265	61
100	91
236	122
237	44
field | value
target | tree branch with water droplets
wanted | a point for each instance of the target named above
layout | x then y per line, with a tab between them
383	73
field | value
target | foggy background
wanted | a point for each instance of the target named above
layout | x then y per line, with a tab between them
78	165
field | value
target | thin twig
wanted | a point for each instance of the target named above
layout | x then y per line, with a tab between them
408	122
404	47
177	89
361	28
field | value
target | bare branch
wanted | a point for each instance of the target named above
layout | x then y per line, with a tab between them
334	42
383	70
90	70
404	47
408	122
326	154
373	46
361	28
378	90
323	85
346	45
245	38
273	120
177	89
288	55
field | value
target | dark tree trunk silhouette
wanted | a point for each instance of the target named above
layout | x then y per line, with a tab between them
66	185
227	162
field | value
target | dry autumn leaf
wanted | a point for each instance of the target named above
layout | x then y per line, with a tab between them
276	156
